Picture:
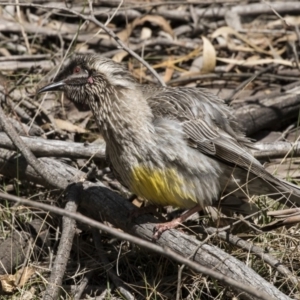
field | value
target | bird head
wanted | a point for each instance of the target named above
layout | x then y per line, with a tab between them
108	89
89	79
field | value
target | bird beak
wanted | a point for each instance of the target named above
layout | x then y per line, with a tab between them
54	86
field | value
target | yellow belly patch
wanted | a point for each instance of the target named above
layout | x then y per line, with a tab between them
162	187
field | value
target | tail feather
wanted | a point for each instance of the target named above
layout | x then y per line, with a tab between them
287	217
290	193
242	184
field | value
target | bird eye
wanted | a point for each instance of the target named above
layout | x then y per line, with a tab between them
76	70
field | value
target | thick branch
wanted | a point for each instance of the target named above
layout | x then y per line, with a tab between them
55	148
269	112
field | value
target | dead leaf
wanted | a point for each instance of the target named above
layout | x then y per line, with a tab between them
8	283
168	74
290	20
196	65
68	126
4	52
226	31
81	47
118	57
25	274
233	19
209	56
292	37
62	26
171	63
255	62
158	20
8	12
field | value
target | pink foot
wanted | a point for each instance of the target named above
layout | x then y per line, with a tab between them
160	228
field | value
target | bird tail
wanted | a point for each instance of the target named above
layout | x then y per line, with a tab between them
290	194
285	217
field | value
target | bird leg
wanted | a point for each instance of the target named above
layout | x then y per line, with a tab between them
160	228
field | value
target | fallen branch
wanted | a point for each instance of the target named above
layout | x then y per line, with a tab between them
41	147
269	112
233	272
55	148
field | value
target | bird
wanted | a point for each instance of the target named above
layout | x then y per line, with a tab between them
174	146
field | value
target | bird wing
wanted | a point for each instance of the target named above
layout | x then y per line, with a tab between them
209	126
216	143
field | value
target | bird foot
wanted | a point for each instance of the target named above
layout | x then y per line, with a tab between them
162	227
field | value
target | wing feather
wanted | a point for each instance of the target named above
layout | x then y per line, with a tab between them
209	126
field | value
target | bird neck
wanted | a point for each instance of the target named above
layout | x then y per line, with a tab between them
125	119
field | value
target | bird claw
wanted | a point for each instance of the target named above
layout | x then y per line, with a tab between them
162	227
